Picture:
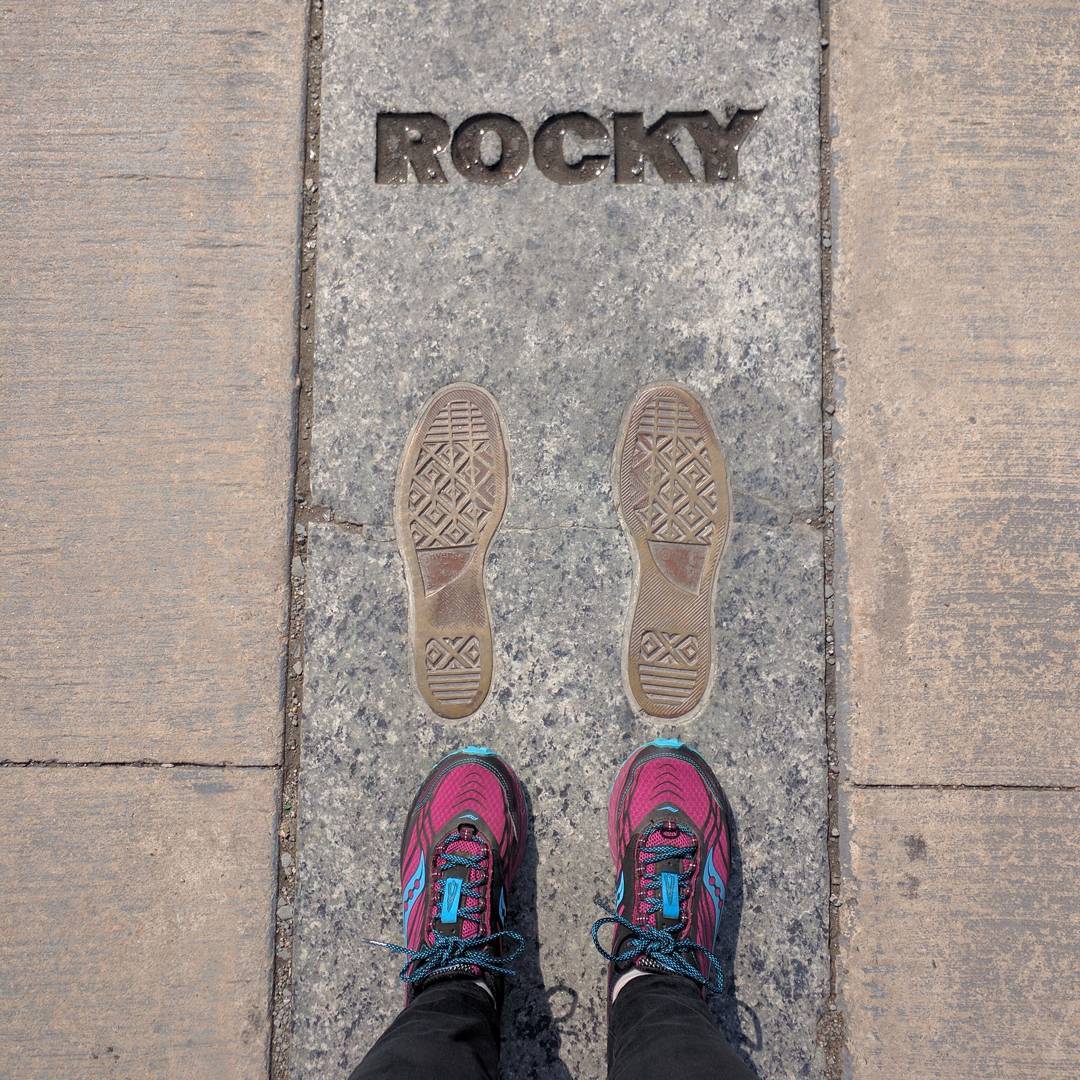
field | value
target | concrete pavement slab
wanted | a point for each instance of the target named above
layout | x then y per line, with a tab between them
135	932
957	161
150	162
960	933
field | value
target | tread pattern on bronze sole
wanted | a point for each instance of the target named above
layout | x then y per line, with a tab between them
452	491
672	490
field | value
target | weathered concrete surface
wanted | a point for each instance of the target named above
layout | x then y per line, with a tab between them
957	163
149	188
955	148
559	713
135	932
961	933
562	301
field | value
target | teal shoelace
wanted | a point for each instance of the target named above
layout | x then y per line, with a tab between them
447	953
665	948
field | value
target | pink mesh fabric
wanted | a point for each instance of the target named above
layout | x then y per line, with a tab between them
658	781
471	788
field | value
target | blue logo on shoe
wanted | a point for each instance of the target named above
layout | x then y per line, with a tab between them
714	886
669	894
451	898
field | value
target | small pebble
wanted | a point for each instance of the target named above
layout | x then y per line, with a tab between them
298	668
298	568
285	911
286	859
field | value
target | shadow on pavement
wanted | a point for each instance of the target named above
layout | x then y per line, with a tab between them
531	1037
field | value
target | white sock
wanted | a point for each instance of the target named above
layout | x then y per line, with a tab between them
623	979
484	985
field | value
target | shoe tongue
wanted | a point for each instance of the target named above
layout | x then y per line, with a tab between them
654	862
464	840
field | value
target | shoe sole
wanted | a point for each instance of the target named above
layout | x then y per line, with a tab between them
674	501
451	495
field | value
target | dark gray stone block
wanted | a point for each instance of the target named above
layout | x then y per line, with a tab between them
562	300
559	713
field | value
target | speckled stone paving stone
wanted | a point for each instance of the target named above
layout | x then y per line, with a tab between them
557	710
562	301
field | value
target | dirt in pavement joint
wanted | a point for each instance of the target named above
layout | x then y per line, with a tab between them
831	1022
303	515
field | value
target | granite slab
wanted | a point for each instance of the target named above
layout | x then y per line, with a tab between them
559	713
562	300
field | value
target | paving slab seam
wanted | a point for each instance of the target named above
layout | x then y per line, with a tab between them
800	516
831	1026
281	997
857	786
321	515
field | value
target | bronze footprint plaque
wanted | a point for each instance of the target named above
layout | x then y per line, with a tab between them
451	495
674	500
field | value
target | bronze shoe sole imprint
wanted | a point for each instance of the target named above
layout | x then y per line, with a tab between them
674	500
451	494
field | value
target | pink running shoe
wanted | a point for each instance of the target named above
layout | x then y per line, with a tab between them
463	843
668	831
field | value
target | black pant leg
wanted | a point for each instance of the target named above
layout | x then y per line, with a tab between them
449	1031
662	1028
